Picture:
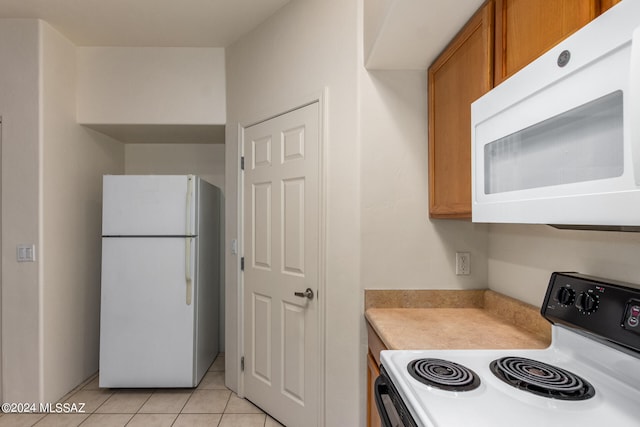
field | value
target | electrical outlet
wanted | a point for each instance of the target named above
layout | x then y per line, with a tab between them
463	263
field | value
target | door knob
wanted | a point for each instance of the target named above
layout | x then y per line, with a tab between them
308	293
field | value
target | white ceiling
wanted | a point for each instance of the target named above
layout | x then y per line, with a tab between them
399	34
137	23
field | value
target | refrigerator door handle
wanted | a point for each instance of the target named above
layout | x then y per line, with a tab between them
189	232
189	278
188	269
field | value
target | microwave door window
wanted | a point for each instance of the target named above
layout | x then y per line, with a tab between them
582	144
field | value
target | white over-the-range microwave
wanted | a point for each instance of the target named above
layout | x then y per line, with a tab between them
559	142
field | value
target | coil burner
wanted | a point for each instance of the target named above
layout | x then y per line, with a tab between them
542	379
443	374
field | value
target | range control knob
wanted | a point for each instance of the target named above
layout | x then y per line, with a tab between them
587	303
566	296
633	316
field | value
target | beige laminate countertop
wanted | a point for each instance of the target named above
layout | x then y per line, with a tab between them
454	320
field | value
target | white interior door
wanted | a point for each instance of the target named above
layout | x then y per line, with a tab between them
281	241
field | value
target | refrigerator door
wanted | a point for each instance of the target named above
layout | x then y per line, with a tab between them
149	205
147	327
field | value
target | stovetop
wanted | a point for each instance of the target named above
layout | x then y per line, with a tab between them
495	403
609	369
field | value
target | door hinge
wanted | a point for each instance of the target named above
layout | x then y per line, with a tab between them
242	264
242	364
242	162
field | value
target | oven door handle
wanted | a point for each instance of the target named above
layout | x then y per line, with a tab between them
381	388
393	411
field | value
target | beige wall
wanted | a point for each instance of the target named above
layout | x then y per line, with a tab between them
204	160
21	298
151	85
522	257
51	197
290	59
73	160
401	247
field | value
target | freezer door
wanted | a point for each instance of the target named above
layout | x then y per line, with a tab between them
147	327
149	205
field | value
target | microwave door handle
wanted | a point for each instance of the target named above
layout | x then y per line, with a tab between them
634	103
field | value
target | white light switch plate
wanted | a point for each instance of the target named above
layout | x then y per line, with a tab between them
26	253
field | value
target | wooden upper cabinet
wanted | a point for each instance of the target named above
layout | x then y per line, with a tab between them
501	38
462	73
525	29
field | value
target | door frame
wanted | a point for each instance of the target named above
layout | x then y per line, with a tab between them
2	363
322	99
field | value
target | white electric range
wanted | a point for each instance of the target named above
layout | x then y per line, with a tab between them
588	376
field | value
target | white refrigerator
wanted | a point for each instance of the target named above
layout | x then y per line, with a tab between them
160	290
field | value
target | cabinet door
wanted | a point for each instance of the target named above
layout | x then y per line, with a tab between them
373	418
461	74
525	29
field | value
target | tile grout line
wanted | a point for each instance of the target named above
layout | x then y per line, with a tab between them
224	411
114	392
185	403
138	411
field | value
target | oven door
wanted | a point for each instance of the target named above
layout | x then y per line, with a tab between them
393	412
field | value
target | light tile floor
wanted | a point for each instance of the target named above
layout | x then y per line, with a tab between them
211	404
